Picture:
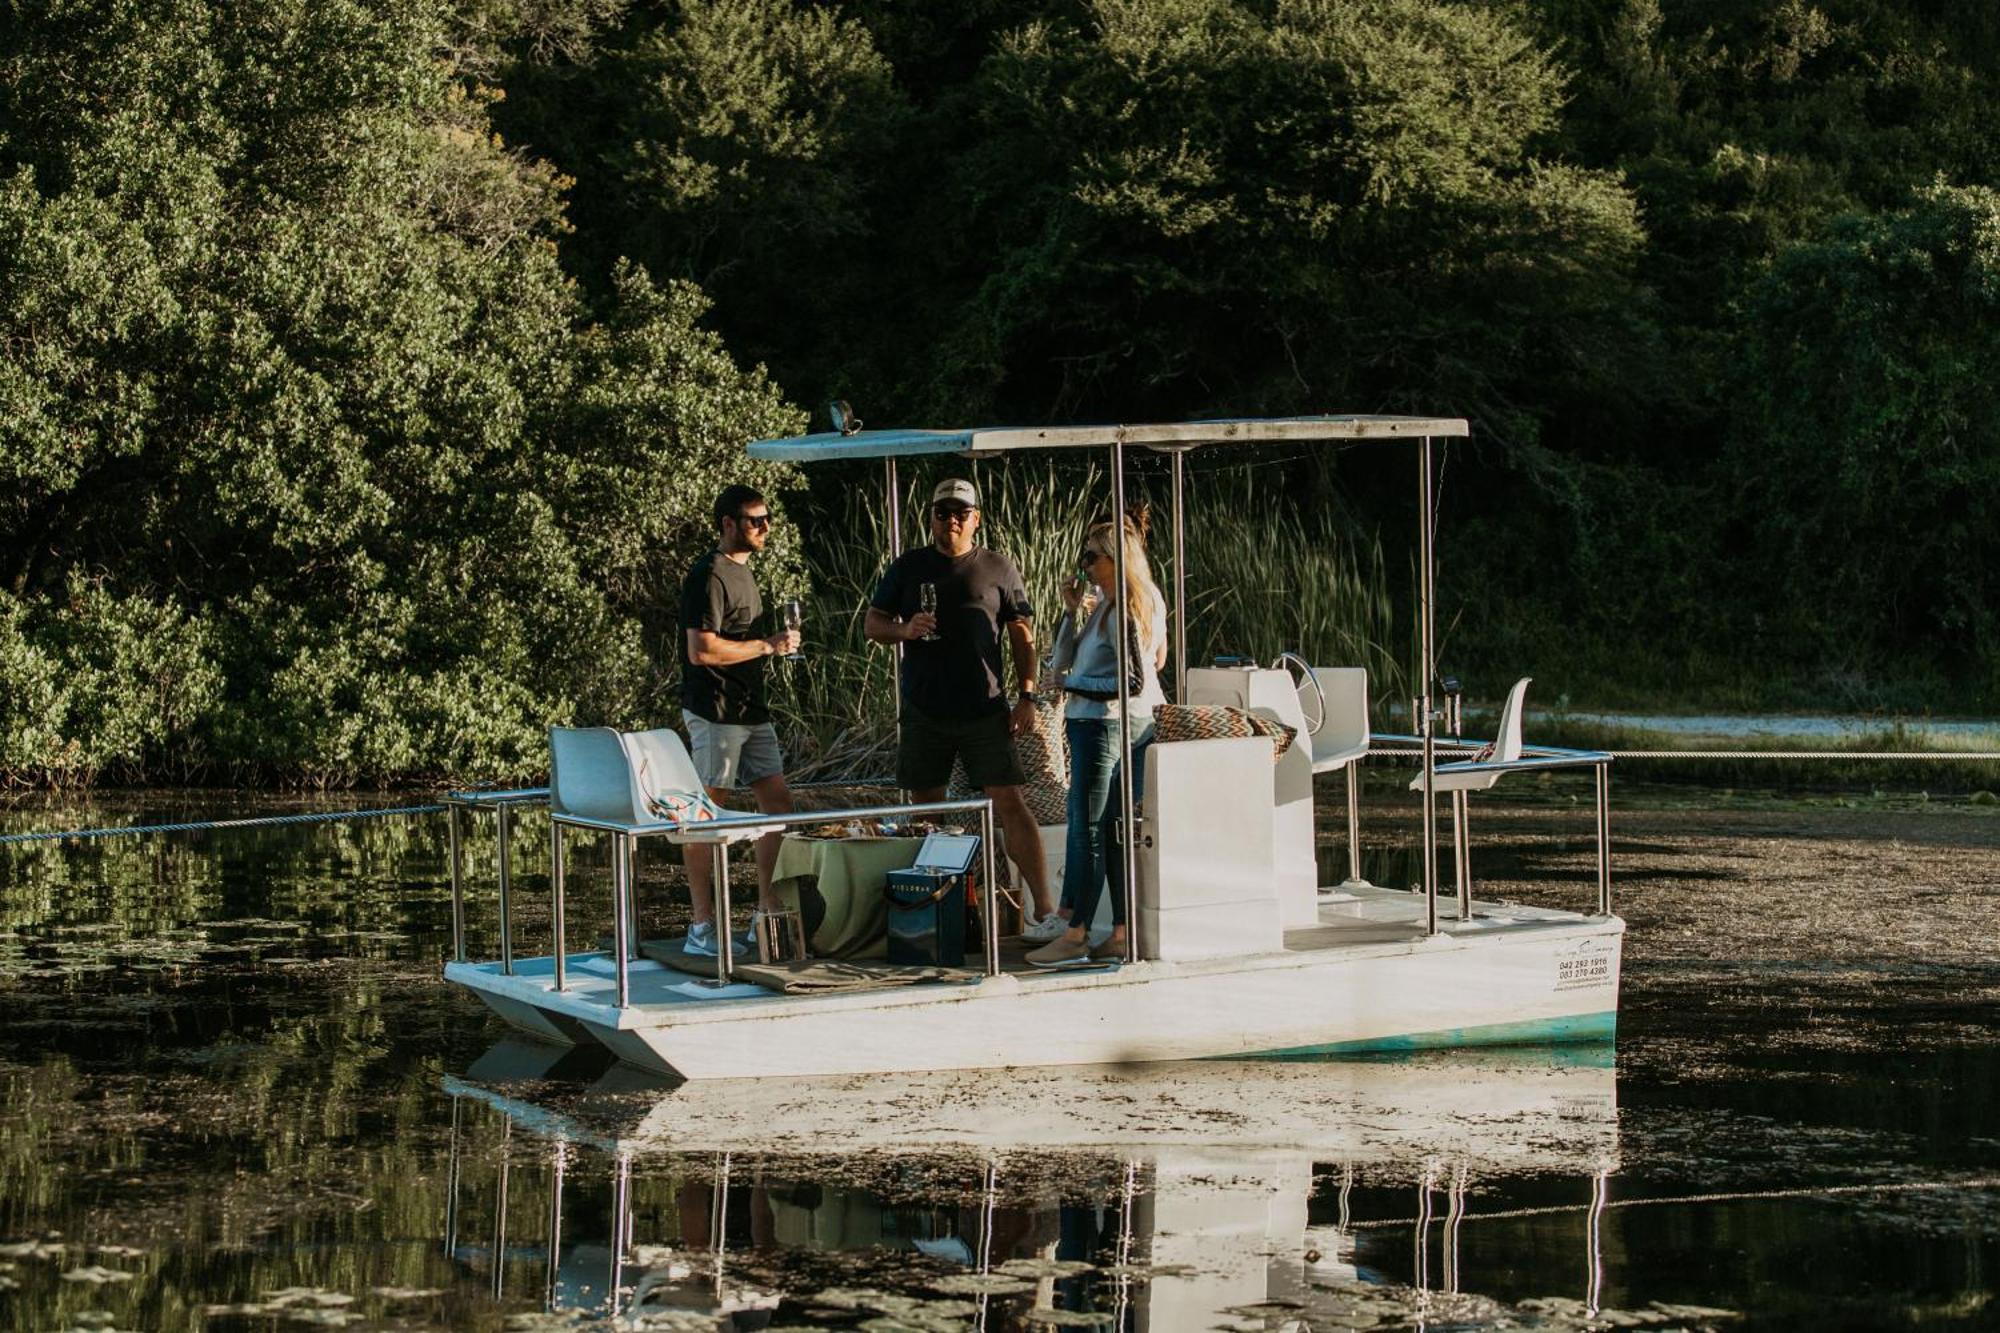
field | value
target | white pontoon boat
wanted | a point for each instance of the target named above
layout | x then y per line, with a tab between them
1236	950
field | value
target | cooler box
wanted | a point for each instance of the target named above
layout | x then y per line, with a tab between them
927	902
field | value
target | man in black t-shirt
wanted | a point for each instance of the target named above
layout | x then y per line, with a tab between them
722	692
952	683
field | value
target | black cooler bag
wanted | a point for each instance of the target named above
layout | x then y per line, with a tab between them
928	913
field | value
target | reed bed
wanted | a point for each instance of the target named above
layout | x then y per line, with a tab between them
1262	577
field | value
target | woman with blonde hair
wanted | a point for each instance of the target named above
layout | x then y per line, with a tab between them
1086	659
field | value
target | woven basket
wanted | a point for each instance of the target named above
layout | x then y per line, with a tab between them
1216	722
1044	756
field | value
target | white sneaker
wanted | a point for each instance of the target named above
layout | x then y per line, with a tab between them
1048	928
700	941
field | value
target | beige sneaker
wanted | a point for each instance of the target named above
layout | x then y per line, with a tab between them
1061	953
1048	928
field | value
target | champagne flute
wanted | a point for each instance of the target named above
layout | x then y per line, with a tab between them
927	603
795	616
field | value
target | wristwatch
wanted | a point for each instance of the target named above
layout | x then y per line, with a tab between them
1027	691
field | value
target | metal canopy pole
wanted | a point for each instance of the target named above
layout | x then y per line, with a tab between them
1180	578
1426	725
1128	823
895	488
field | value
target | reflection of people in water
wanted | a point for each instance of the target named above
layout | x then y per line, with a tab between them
1089	1232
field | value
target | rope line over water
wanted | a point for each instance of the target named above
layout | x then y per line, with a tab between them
1988	756
318	817
201	825
1728	1196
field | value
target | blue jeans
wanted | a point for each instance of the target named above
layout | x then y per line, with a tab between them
1094	850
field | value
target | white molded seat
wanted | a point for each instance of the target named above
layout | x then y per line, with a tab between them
1506	749
1343	734
600	773
591	776
660	762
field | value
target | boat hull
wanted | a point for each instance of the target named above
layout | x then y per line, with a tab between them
1550	981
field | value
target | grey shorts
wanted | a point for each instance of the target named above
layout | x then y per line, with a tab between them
728	754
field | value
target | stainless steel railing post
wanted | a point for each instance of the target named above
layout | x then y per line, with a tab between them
989	893
725	946
455	820
504	815
1354	821
620	932
1603	839
557	874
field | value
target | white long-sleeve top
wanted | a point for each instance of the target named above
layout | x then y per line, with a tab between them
1088	656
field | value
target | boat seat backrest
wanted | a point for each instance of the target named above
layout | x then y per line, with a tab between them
1507	741
590	776
1506	749
661	764
1346	724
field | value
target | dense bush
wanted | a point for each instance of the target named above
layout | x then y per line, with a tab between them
320	466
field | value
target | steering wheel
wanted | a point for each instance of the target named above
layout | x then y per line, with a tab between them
1305	675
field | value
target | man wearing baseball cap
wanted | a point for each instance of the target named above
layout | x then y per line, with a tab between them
953	684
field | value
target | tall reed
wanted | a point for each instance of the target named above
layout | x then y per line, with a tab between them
1262	578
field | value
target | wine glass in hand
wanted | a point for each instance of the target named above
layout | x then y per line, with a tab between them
795	615
927	603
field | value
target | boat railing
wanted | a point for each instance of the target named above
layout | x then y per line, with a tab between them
1532	757
715	833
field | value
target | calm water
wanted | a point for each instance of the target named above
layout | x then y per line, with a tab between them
236	1096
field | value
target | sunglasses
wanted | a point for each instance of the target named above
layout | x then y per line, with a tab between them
1090	557
761	522
947	513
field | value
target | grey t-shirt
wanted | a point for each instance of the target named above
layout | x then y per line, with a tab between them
961	675
719	595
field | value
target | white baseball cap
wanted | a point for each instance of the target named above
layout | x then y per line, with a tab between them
956	490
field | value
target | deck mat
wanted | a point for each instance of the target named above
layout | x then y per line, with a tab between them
826	976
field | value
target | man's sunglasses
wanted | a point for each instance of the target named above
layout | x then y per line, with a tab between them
761	522
946	513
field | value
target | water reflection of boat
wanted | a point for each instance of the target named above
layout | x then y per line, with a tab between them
1178	1193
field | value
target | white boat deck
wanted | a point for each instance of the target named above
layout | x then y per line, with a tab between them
1370	920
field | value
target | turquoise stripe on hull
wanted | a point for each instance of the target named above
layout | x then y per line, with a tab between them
1538	1032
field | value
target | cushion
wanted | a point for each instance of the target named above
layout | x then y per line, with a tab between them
683	807
1044	756
1213	722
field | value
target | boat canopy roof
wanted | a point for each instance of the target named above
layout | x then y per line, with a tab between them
1166	437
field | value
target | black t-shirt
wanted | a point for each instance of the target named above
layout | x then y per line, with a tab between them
719	595
960	675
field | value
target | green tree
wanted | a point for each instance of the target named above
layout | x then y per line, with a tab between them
1866	459
1194	206
302	413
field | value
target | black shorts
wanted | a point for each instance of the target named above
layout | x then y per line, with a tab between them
928	745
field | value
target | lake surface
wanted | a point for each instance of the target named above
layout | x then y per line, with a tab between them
235	1095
